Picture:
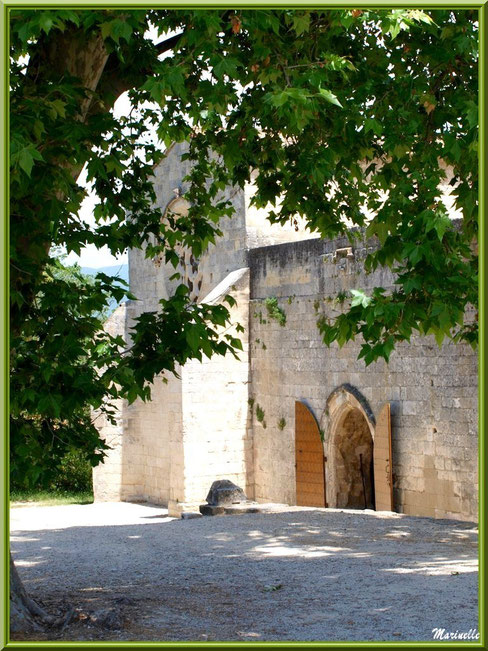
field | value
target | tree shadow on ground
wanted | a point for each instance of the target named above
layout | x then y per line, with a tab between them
301	575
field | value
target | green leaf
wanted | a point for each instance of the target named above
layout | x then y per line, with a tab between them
132	395
45	22
329	96
394	29
400	150
371	124
206	346
59	107
439	336
360	298
26	157
226	66
277	98
193	338
456	151
117	29
301	23
157	91
416	254
418	14
442	224
26	161
471	110
106	30
25	31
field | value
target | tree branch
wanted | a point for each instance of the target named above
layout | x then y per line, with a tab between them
168	44
115	80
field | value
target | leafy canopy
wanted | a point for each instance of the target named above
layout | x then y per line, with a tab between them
343	114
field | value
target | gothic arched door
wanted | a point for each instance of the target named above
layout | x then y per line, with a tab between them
309	459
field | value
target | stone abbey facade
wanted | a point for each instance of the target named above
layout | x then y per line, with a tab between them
236	419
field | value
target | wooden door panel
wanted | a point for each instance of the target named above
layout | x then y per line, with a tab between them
308	471
311	499
309	458
383	479
309	478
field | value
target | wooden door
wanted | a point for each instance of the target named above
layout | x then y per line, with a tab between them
309	459
383	480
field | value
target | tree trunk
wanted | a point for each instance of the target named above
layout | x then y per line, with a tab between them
26	616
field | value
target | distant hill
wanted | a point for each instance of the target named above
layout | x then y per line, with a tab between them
116	270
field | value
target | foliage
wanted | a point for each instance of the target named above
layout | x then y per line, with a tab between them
275	311
281	424
339	111
64	362
74	473
260	416
70	474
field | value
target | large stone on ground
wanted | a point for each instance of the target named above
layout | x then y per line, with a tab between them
223	492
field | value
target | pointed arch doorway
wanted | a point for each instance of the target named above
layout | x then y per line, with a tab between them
358	449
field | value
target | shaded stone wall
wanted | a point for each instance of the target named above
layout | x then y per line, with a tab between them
432	392
353	457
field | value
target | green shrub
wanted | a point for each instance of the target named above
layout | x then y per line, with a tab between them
74	473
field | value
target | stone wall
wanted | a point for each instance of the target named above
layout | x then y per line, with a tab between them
138	463
108	477
153	447
432	392
195	428
204	425
149	278
216	441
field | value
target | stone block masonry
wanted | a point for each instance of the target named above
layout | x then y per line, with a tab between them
432	429
227	418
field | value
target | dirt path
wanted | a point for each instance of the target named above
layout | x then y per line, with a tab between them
303	574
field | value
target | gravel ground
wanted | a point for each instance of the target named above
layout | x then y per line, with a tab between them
132	573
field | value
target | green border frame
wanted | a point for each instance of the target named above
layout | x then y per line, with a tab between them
481	6
4	331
